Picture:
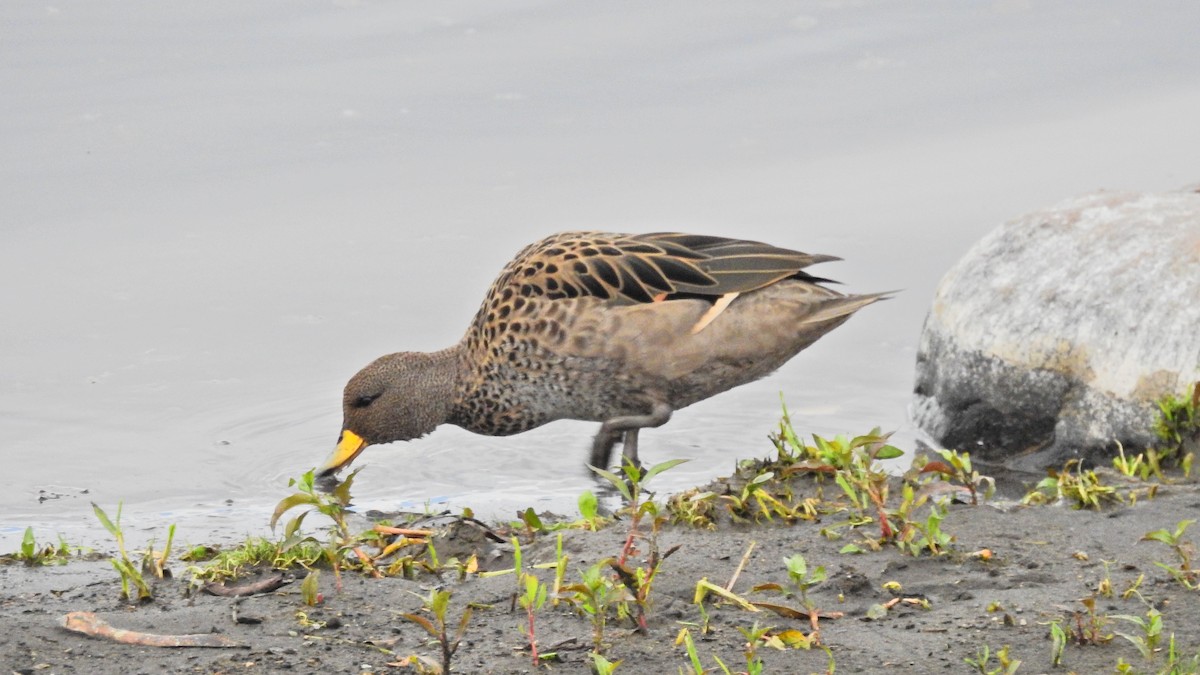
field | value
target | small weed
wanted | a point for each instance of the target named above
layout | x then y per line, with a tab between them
755	638
157	564
631	487
595	596
1058	642
131	576
253	553
1178	427
437	604
33	555
638	580
689	645
560	571
334	505
1149	631
694	508
532	600
601	665
983	658
589	509
308	588
1142	466
917	536
956	467
1087	627
1185	551
1083	489
801	578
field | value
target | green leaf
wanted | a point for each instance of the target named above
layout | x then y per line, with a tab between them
295	540
762	478
341	493
1159	535
28	545
439	603
659	468
290	502
308	587
293	526
693	656
889	452
103	517
422	622
850	548
531	520
588	505
462	623
616	481
796	565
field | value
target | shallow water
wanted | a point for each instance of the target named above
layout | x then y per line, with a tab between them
212	216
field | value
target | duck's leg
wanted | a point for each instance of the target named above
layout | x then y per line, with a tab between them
611	429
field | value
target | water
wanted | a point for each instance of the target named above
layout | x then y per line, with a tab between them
212	216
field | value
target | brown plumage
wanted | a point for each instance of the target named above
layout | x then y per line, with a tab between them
621	329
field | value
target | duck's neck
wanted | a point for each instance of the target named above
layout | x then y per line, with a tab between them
441	380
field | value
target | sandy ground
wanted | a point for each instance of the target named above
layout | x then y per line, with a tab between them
1046	559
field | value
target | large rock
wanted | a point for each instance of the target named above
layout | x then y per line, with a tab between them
1056	333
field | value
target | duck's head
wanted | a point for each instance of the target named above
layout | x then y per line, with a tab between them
397	397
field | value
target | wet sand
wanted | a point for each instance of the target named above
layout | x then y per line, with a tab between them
1045	560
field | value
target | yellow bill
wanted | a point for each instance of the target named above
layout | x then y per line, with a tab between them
348	447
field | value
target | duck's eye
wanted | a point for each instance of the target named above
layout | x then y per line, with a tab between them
364	401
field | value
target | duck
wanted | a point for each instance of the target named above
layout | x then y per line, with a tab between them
620	329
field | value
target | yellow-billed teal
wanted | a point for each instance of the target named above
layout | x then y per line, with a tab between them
621	329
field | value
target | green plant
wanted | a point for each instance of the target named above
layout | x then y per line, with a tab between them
131	576
982	662
689	645
589	509
1083	489
1178	427
532	600
694	508
956	466
601	665
801	578
308	588
1141	466
638	580
917	536
1149	631
1087	627
1176	663
1185	574
334	505
755	638
157	564
594	596
437	603
1058	642
631	487
257	552
31	554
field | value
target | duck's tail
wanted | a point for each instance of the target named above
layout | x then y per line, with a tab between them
845	305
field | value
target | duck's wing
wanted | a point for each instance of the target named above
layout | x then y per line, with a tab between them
638	268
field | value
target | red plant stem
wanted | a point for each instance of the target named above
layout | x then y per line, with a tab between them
532	640
885	528
627	548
